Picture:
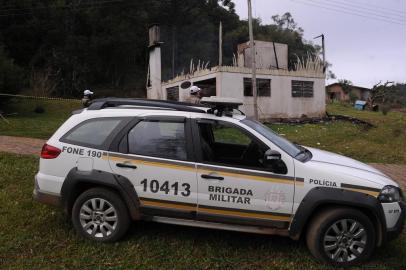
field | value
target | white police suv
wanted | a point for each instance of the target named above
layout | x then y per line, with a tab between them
170	162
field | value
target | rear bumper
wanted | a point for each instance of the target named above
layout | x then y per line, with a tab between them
398	228
45	197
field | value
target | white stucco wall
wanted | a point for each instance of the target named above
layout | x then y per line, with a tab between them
265	55
185	93
281	104
154	92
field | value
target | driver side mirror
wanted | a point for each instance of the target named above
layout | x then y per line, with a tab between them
274	163
271	156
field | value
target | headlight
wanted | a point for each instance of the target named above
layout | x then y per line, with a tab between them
389	194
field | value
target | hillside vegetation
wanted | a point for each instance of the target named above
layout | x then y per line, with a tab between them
60	48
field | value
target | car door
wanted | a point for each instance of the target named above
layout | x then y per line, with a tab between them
233	185
154	153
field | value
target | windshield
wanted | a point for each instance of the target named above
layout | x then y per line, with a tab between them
290	148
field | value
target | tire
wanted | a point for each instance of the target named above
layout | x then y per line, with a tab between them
100	214
341	237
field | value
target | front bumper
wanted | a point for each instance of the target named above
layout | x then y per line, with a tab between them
395	231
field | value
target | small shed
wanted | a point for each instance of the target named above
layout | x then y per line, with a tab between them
360	105
336	92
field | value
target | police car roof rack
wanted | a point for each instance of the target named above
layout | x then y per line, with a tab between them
220	106
103	103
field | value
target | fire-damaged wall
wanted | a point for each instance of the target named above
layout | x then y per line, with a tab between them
281	100
281	93
269	55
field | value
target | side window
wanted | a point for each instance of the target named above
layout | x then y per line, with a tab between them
226	144
92	133
158	139
227	134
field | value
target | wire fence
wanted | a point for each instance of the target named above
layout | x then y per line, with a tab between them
38	97
31	103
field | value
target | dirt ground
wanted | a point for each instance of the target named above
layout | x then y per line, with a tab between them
20	145
396	171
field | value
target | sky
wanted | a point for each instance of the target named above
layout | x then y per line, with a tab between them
362	50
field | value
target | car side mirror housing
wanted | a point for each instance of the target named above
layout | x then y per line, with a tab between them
274	163
271	155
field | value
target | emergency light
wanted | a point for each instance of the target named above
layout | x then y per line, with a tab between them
221	105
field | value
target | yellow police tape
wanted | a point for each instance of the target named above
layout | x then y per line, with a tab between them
39	97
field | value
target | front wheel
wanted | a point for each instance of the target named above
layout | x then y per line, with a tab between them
100	214
341	236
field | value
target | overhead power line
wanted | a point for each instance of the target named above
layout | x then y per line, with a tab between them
362	10
348	11
369	5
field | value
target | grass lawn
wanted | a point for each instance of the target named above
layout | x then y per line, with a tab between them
385	143
35	236
27	123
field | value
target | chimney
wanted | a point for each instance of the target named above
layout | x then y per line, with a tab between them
155	92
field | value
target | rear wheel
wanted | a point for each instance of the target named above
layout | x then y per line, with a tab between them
100	214
341	237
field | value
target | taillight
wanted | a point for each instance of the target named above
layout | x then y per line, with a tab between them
50	152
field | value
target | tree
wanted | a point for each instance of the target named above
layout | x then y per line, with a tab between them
229	4
11	75
286	22
346	85
286	30
67	46
378	94
396	95
330	74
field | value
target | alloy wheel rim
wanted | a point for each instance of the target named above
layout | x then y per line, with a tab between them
98	217
345	240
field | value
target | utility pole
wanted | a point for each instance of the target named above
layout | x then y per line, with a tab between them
173	49
253	63
324	51
220	44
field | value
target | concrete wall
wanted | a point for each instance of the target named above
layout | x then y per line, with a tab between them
184	94
337	93
281	104
154	92
265	55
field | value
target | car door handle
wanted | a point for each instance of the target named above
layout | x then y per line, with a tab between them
126	165
208	176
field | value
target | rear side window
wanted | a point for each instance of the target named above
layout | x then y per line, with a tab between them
158	139
92	133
